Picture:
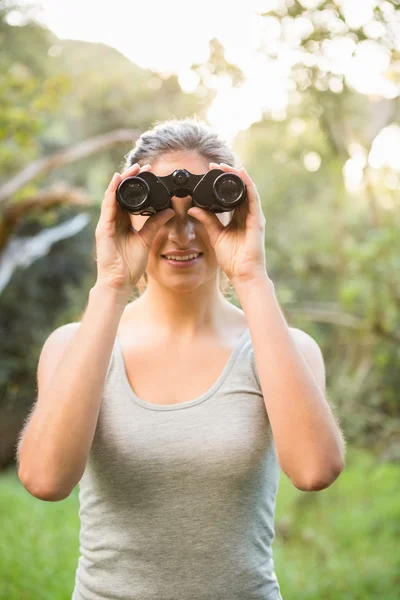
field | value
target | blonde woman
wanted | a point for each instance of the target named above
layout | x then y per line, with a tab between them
175	412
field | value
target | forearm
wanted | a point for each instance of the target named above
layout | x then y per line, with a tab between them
307	439
57	441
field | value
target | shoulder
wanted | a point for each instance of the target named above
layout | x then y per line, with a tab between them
311	353
56	341
52	351
62	333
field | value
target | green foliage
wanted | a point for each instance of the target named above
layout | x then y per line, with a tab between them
29	91
25	102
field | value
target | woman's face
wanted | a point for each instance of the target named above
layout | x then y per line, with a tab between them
182	232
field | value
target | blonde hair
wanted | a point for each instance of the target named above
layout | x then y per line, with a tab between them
175	135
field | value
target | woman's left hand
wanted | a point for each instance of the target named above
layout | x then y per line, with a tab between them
239	246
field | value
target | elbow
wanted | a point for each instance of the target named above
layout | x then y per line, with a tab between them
43	491
320	481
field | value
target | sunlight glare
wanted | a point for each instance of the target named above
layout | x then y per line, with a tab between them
173	42
311	161
385	150
358	12
353	170
366	70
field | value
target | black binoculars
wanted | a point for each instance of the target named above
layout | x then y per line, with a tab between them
216	191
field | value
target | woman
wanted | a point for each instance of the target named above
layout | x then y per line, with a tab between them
175	412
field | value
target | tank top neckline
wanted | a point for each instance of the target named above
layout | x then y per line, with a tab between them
179	405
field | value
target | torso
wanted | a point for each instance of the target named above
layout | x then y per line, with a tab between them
161	372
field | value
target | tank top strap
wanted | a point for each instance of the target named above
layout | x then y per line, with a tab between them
112	364
247	358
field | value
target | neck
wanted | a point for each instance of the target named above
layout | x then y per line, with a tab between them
183	314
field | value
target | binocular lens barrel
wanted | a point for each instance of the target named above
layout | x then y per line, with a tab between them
228	190
134	193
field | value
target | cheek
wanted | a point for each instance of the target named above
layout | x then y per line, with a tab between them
156	246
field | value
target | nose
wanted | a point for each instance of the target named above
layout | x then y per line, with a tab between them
181	226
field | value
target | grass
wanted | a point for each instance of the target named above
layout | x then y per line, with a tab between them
337	544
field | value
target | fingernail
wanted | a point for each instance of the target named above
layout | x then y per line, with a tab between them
129	168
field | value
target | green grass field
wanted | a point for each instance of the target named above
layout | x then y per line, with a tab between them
338	544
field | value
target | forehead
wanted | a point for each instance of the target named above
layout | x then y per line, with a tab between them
190	160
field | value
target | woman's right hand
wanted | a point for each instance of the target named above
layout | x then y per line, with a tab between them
122	252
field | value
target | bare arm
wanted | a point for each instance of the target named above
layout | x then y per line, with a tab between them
54	445
309	444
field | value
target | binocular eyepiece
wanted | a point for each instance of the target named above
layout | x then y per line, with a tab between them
146	193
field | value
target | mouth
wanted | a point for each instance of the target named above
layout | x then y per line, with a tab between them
181	264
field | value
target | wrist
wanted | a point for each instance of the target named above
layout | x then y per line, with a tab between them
245	285
118	296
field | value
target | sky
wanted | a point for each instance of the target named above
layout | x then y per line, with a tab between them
180	35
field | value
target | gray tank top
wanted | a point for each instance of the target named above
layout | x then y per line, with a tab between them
177	501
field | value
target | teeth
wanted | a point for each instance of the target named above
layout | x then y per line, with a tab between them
188	257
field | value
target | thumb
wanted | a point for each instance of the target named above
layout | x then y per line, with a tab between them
210	222
154	223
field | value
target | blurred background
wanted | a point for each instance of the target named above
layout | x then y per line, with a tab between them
307	93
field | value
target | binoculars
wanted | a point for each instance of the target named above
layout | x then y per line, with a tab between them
146	194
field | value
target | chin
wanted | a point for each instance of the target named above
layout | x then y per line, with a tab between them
182	282
183	286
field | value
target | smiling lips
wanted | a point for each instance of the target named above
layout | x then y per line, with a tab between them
184	257
182	261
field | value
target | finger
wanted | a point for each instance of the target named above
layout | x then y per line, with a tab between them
109	205
122	216
112	214
133	167
254	202
150	228
239	217
134	170
112	186
130	172
253	199
210	221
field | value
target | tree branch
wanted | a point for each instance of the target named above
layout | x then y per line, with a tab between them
326	314
61	193
62	157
